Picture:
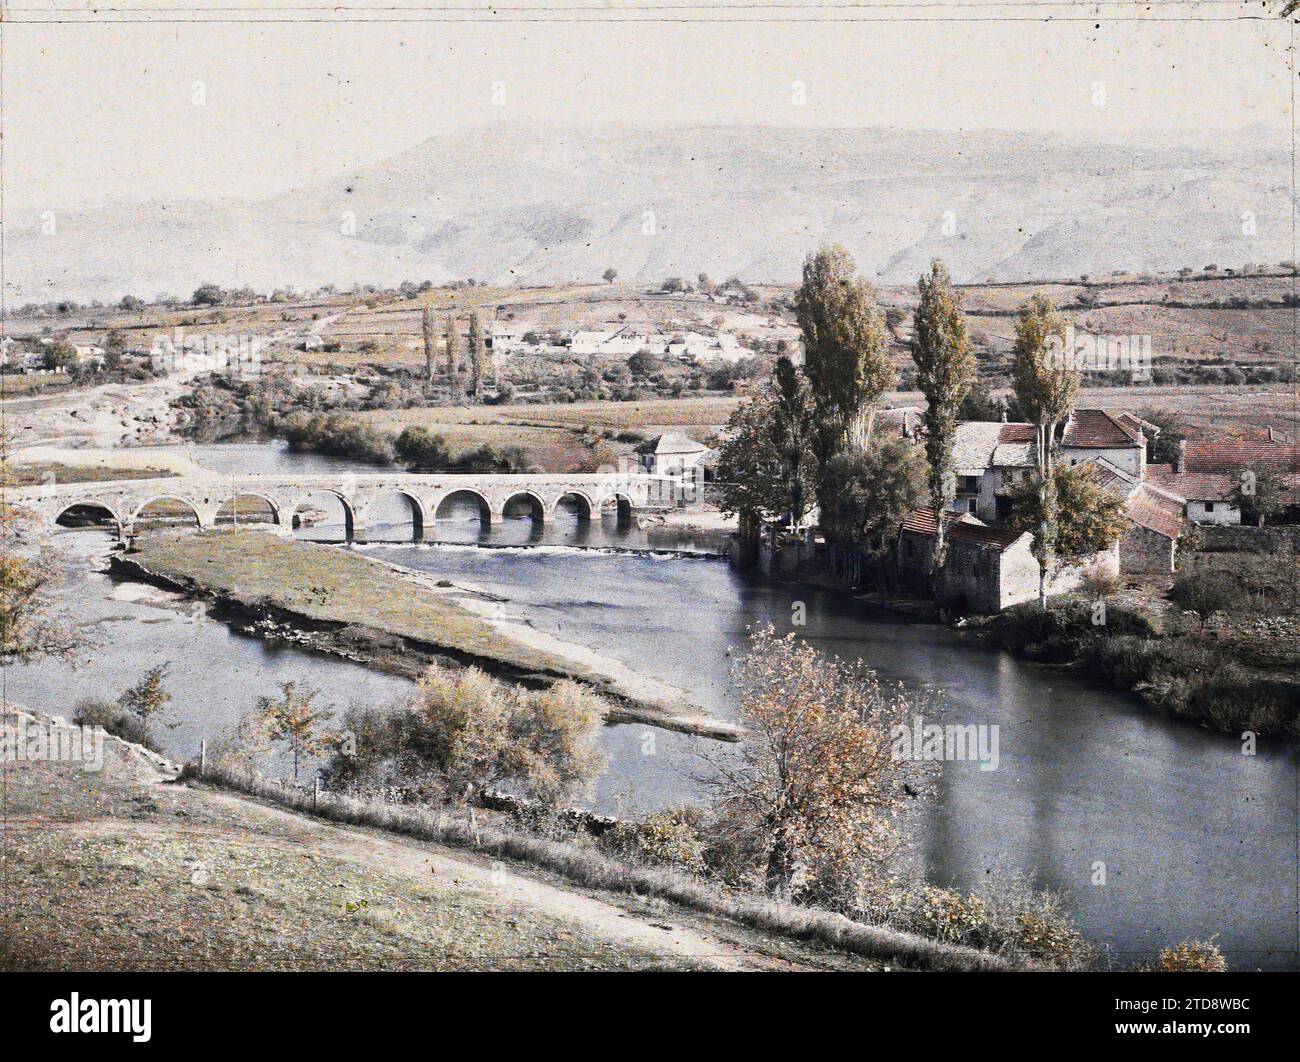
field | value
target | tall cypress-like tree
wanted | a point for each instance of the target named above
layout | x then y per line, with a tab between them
846	354
945	370
477	354
453	355
1044	383
430	349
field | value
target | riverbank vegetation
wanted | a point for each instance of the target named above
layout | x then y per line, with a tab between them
1222	652
802	834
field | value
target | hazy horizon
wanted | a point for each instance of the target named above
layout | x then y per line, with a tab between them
205	110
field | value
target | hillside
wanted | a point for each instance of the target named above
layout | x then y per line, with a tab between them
125	869
553	204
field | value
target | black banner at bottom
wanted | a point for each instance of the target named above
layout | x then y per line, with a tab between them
182	1010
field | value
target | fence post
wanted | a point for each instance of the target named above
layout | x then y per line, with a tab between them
315	792
203	756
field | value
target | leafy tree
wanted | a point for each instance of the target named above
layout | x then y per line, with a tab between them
609	275
292	719
766	465
208	295
1164	448
868	494
1261	493
421	449
1087	519
1044	385
463	731
114	349
29	626
428	332
477	355
815	782
147	699
453	355
979	404
60	354
846	357
643	363
945	369
1205	593
793	434
131	303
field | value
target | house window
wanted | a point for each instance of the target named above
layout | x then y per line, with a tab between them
1209	507
972	504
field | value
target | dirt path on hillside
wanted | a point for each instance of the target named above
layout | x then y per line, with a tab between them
299	835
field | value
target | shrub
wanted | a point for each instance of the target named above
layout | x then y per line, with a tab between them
464	731
671	837
1191	956
1206	592
115	721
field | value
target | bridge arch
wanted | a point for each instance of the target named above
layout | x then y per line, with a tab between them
303	501
87	510
442	510
230	509
622	505
163	505
414	505
534	501
583	502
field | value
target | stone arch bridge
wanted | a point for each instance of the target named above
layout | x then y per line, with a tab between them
214	495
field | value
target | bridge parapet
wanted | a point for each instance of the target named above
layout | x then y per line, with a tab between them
285	494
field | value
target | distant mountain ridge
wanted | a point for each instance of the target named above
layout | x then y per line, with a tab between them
539	205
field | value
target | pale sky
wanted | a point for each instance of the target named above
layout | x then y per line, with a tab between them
96	111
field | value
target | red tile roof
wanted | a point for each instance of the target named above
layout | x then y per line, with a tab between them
1097	429
1191	486
1017	433
1221	454
922	522
1148	509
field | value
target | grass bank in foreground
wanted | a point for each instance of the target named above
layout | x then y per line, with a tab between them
123	868
343	603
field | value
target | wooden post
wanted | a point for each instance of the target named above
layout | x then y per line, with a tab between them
315	792
203	756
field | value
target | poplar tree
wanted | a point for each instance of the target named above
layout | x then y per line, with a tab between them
430	351
453	355
477	352
1044	383
846	355
945	370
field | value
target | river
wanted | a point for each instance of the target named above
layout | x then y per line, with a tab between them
1196	839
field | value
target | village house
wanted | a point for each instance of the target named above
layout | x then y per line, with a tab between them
987	568
670	454
988	459
1120	439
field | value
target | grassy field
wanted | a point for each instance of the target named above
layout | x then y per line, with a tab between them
122	869
340	602
331	586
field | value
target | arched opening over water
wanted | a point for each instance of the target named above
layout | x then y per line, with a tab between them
462	506
323	515
394	516
574	506
88	515
524	505
165	511
247	509
619	508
